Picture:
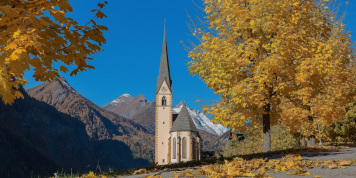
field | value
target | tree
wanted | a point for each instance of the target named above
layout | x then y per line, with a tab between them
37	33
259	54
344	129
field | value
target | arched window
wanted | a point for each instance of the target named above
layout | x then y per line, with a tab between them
164	102
174	148
194	148
184	148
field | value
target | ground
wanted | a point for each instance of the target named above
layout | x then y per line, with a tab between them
344	154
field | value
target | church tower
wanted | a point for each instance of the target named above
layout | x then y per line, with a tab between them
164	108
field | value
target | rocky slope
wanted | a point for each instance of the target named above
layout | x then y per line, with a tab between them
100	124
127	106
138	109
118	102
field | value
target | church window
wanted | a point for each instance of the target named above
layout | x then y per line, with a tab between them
194	148
164	102
184	149
174	148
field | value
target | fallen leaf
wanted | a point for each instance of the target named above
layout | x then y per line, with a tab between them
140	171
345	163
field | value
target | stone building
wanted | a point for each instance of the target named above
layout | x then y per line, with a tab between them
176	138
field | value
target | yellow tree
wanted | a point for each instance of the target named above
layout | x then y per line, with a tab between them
323	84
37	33
257	53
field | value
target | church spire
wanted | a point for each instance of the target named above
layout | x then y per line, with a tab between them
164	73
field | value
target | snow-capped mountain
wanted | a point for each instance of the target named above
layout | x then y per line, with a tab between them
121	100
201	121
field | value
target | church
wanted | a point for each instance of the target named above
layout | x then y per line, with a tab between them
176	138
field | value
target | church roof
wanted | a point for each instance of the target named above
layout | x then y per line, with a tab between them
183	122
164	74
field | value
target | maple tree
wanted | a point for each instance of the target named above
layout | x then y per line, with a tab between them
283	58
38	33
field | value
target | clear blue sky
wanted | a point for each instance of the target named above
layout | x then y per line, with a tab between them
130	60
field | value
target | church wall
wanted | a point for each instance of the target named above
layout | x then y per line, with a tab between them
186	134
179	139
174	135
163	125
162	94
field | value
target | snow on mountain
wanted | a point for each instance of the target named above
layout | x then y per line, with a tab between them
201	121
121	100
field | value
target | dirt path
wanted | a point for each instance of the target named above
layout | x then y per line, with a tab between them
345	154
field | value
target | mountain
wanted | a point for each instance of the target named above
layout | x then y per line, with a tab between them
138	109
100	124
130	107
38	140
218	143
201	121
116	103
142	111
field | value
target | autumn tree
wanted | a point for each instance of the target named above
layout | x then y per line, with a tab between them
38	33
344	129
324	83
263	56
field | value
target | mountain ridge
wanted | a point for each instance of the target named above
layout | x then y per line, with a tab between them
145	115
100	124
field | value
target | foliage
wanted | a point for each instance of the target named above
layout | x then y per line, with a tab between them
91	175
345	129
258	167
37	33
140	171
281	140
176	166
185	173
282	58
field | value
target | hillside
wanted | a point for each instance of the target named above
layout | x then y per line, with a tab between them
36	139
218	143
100	124
138	109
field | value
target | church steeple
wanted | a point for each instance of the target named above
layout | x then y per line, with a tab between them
164	73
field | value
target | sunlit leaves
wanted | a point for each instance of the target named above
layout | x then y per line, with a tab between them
39	34
290	54
258	167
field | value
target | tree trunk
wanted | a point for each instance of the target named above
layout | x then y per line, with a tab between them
266	129
311	138
302	141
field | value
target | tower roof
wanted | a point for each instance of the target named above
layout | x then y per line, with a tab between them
184	122
164	73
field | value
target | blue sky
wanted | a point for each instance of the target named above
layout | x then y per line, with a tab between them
130	60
